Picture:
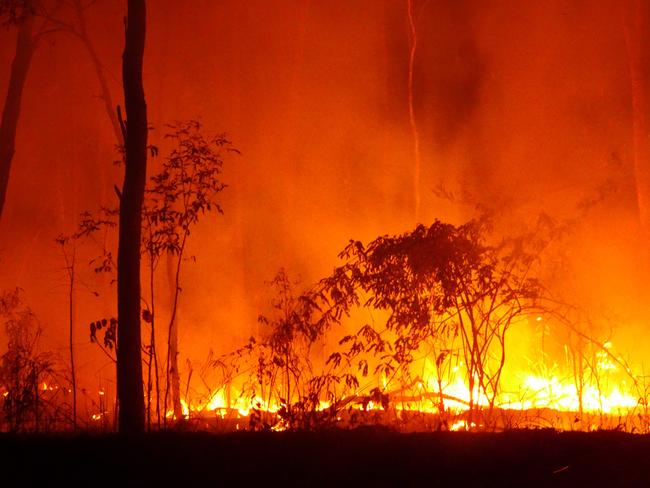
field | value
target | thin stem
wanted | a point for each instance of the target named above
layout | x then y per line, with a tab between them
71	274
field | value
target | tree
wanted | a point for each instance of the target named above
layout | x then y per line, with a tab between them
23	14
20	13
436	284
68	250
22	367
187	187
129	363
417	161
81	32
77	28
637	40
288	378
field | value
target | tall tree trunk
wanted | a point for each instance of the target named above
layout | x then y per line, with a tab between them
11	111
129	362
637	40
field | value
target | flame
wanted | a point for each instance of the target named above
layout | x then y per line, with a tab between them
534	391
608	389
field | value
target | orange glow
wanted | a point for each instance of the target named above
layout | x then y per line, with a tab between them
364	120
608	392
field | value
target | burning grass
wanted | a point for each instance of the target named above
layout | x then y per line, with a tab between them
447	317
444	328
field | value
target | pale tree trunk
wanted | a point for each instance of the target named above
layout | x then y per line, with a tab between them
637	39
129	362
11	111
99	71
417	165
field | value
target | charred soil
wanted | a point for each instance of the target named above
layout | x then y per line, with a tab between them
362	457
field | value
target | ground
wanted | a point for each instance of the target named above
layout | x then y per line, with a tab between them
361	457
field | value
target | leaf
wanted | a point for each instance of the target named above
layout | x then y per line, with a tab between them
147	316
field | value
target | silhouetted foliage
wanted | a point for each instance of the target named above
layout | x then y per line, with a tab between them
108	330
437	284
445	293
186	188
23	369
307	392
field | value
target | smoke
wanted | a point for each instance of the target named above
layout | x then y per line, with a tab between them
522	108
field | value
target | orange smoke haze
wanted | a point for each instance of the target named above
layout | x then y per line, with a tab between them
522	108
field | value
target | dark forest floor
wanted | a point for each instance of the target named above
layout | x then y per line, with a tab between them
362	457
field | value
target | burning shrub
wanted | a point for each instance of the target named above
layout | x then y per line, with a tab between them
24	372
441	303
448	300
446	294
286	379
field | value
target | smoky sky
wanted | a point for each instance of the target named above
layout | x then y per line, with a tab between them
521	106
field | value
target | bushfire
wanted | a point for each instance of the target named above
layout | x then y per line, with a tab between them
300	216
609	398
444	327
